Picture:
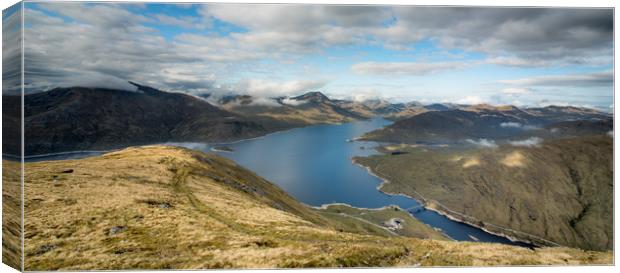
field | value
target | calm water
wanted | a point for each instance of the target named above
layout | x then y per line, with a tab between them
313	164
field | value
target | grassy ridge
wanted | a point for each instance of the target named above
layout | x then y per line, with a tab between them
163	207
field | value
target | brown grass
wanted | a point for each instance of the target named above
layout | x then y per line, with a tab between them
11	214
171	208
514	159
471	162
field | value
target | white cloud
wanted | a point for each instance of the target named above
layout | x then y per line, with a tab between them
11	53
264	101
94	80
267	88
115	40
298	28
405	68
516	91
583	80
511	36
257	101
364	94
518	125
511	125
482	142
471	100
126	50
518	62
530	142
523	37
100	15
188	22
293	102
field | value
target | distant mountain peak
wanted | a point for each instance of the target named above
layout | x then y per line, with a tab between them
486	106
145	89
313	96
239	99
437	107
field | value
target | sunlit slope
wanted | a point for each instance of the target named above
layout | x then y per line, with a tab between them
306	109
559	191
165	207
11	214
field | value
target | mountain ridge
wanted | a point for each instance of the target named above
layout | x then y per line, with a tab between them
484	122
78	118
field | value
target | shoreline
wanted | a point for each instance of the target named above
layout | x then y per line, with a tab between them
74	152
421	201
325	207
168	143
173	143
540	242
214	149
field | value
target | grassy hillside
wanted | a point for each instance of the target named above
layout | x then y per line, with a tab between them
164	207
11	214
560	192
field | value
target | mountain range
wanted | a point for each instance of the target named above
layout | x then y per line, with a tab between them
309	108
79	118
496	123
541	175
65	119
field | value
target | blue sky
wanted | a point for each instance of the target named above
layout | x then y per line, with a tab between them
532	57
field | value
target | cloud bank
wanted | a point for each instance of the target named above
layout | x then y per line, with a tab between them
517	125
264	50
482	143
583	80
530	142
403	68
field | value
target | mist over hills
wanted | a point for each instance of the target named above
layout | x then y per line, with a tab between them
80	118
309	108
66	119
490	122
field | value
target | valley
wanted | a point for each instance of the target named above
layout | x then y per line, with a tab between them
192	136
182	209
80	118
451	164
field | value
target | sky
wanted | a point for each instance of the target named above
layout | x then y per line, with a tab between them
470	55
